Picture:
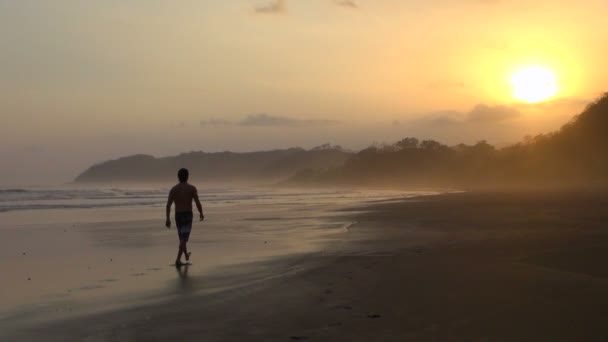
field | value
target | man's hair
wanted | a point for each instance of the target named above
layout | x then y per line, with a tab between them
183	174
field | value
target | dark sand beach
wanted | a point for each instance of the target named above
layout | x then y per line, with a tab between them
526	266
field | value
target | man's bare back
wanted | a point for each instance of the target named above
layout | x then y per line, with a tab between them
182	195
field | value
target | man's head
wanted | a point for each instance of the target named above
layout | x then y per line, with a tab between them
182	175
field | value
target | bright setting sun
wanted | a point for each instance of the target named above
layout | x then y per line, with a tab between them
533	84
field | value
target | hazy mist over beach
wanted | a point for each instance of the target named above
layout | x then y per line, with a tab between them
86	82
303	170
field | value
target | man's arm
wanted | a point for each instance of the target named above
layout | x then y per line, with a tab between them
198	204
169	203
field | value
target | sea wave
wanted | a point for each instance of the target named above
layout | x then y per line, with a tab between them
2	191
69	198
68	206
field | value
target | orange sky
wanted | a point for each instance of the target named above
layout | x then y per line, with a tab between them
83	82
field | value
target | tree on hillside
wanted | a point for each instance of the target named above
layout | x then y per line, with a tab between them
575	153
407	143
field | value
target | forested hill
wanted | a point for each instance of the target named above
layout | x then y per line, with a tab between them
575	155
221	166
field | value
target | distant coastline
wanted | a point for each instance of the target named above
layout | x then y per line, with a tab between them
259	167
574	156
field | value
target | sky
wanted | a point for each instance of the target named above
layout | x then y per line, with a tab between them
82	82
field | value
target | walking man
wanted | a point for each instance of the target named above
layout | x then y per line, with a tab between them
183	194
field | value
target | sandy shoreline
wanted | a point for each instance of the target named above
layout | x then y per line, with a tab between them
468	266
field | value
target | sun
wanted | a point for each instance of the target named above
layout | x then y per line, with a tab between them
533	84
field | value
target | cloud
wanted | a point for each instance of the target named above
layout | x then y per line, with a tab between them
481	113
485	113
275	7
346	3
266	120
443	118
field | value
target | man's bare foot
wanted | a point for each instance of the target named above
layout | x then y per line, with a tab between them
188	256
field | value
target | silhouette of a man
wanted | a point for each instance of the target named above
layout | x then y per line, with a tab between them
183	194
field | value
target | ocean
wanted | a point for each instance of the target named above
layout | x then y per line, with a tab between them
12	199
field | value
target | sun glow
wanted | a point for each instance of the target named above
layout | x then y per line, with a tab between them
533	84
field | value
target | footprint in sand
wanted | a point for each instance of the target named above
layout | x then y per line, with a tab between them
138	274
108	280
154	269
90	287
374	316
342	307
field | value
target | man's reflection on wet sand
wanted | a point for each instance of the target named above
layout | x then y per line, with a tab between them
184	283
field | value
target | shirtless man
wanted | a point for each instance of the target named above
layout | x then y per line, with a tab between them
183	194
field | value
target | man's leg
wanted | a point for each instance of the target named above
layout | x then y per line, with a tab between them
180	251
186	253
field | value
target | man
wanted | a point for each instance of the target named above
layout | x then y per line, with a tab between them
183	194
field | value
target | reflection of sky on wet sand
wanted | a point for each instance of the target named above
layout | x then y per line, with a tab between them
71	266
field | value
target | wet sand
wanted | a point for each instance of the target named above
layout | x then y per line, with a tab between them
461	267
